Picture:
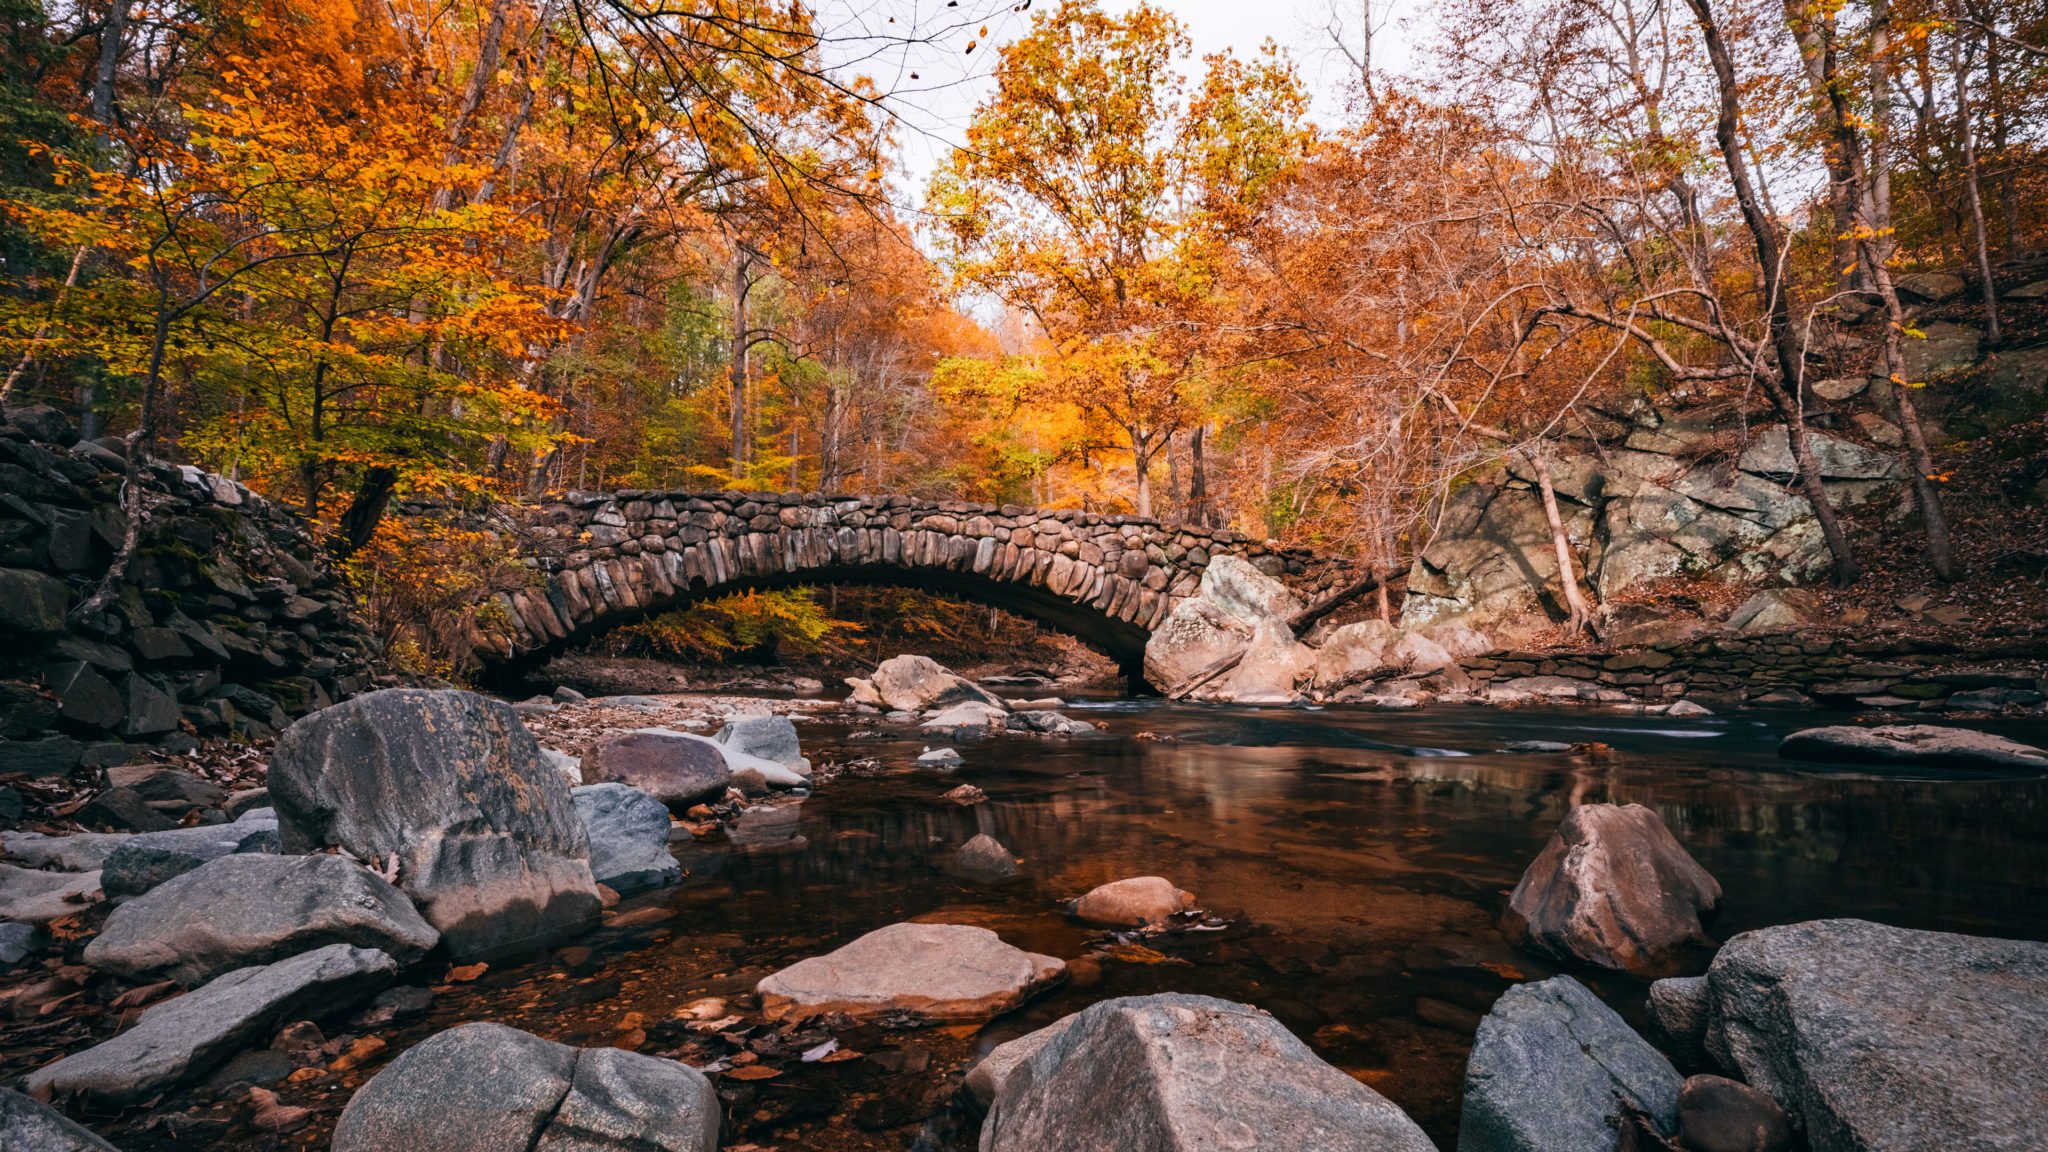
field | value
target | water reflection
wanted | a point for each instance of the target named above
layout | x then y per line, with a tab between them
1362	859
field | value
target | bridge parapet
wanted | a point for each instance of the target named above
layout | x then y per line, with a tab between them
604	559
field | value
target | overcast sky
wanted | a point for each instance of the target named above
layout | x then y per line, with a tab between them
890	40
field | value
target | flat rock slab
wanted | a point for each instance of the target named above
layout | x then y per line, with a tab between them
79	852
1612	887
256	909
1550	1070
451	788
1174	1072
1928	744
941	971
1882	1039
26	1126
1132	902
184	1038
34	897
144	861
629	834
486	1087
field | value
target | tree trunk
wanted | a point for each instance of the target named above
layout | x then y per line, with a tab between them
1198	476
1141	461
1785	390
1966	135
739	365
359	522
1580	620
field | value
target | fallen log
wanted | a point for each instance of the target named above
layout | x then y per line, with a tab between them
1295	624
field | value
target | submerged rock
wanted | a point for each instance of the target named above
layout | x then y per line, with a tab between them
940	971
1132	902
629	833
486	1086
1172	1071
1551	1069
254	909
451	788
1881	1039
938	758
984	860
183	1038
1928	744
1612	887
1047	723
1721	1115
26	1126
676	768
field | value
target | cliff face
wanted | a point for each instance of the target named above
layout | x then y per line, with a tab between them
1696	493
228	622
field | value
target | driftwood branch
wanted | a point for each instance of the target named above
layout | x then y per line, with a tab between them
1295	623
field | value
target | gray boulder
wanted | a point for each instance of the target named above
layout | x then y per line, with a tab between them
1881	1039
1678	1017
1612	887
675	768
1551	1069
984	860
18	942
486	1086
144	861
1047	723
941	971
985	1080
452	789
767	738
254	909
26	1126
1172	1071
629	834
183	1038
160	785
1355	652
1194	637
1930	745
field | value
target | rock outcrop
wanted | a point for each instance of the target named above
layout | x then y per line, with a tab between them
243	910
1178	1071
939	971
488	1086
1612	887
1553	1069
451	789
1881	1039
1237	610
183	1038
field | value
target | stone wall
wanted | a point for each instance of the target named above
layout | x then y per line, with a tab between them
605	559
1900	673
228	623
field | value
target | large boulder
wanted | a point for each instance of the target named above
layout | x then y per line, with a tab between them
1131	902
27	1126
451	789
1553	1069
183	1038
1612	887
629	833
1195	636
254	909
940	971
1930	745
1172	1071
1355	652
142	862
918	683
1275	664
1235	585
486	1086
985	1080
770	738
1881	1039
676	768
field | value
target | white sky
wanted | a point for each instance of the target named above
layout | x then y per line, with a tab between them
934	108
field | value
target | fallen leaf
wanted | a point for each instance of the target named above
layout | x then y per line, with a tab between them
467	972
137	997
753	1072
357	1052
272	1116
1504	971
840	1057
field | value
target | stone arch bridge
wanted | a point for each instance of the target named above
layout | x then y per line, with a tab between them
602	560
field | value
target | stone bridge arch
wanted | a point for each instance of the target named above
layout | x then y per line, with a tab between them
602	560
